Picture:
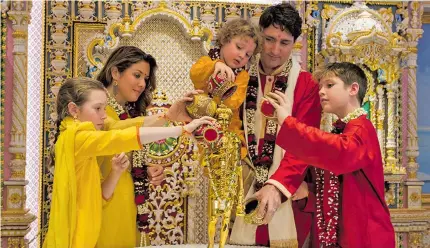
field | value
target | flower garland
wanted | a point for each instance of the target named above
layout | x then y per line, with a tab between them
138	170
119	110
327	224
263	161
130	110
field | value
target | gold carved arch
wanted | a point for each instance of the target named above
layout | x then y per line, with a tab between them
194	30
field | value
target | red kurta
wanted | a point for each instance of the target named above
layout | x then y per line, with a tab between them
292	171
355	156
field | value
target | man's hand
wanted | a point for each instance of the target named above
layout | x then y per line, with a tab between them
269	198
155	174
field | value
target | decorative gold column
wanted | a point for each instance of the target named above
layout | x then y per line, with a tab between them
381	116
15	217
413	184
391	160
412	138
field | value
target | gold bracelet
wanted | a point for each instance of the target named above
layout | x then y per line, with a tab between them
184	132
163	116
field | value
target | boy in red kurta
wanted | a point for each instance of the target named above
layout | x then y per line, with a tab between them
351	210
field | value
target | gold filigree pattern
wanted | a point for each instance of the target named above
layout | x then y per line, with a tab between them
15	198
292	243
328	11
414	197
415	239
84	32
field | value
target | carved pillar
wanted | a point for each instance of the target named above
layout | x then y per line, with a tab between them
380	119
412	137
297	50
391	160
15	217
414	32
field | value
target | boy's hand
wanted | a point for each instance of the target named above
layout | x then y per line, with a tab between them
120	163
225	71
155	174
282	105
301	192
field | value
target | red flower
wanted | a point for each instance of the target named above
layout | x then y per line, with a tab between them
265	160
143	217
138	172
140	199
123	116
339	125
267	108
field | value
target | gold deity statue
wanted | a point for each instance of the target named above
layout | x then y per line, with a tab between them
221	162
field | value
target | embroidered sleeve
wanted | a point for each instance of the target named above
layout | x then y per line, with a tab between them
201	71
236	100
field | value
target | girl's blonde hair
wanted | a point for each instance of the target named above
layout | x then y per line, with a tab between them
239	27
74	90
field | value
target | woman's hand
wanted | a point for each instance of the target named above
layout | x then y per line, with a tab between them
177	111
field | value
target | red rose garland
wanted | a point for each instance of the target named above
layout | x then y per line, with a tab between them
327	225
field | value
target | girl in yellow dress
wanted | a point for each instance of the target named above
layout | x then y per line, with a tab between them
237	41
129	77
76	204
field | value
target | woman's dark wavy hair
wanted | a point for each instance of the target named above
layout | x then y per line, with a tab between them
122	58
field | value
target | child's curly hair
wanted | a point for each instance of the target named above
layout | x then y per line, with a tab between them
239	27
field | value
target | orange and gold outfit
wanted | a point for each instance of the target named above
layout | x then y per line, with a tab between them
200	73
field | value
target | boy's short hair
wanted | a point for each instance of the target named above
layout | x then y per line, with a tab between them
349	73
239	27
283	15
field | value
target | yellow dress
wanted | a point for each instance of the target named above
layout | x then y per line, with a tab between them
200	73
76	205
119	227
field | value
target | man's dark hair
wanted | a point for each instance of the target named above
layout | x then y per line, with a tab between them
284	16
